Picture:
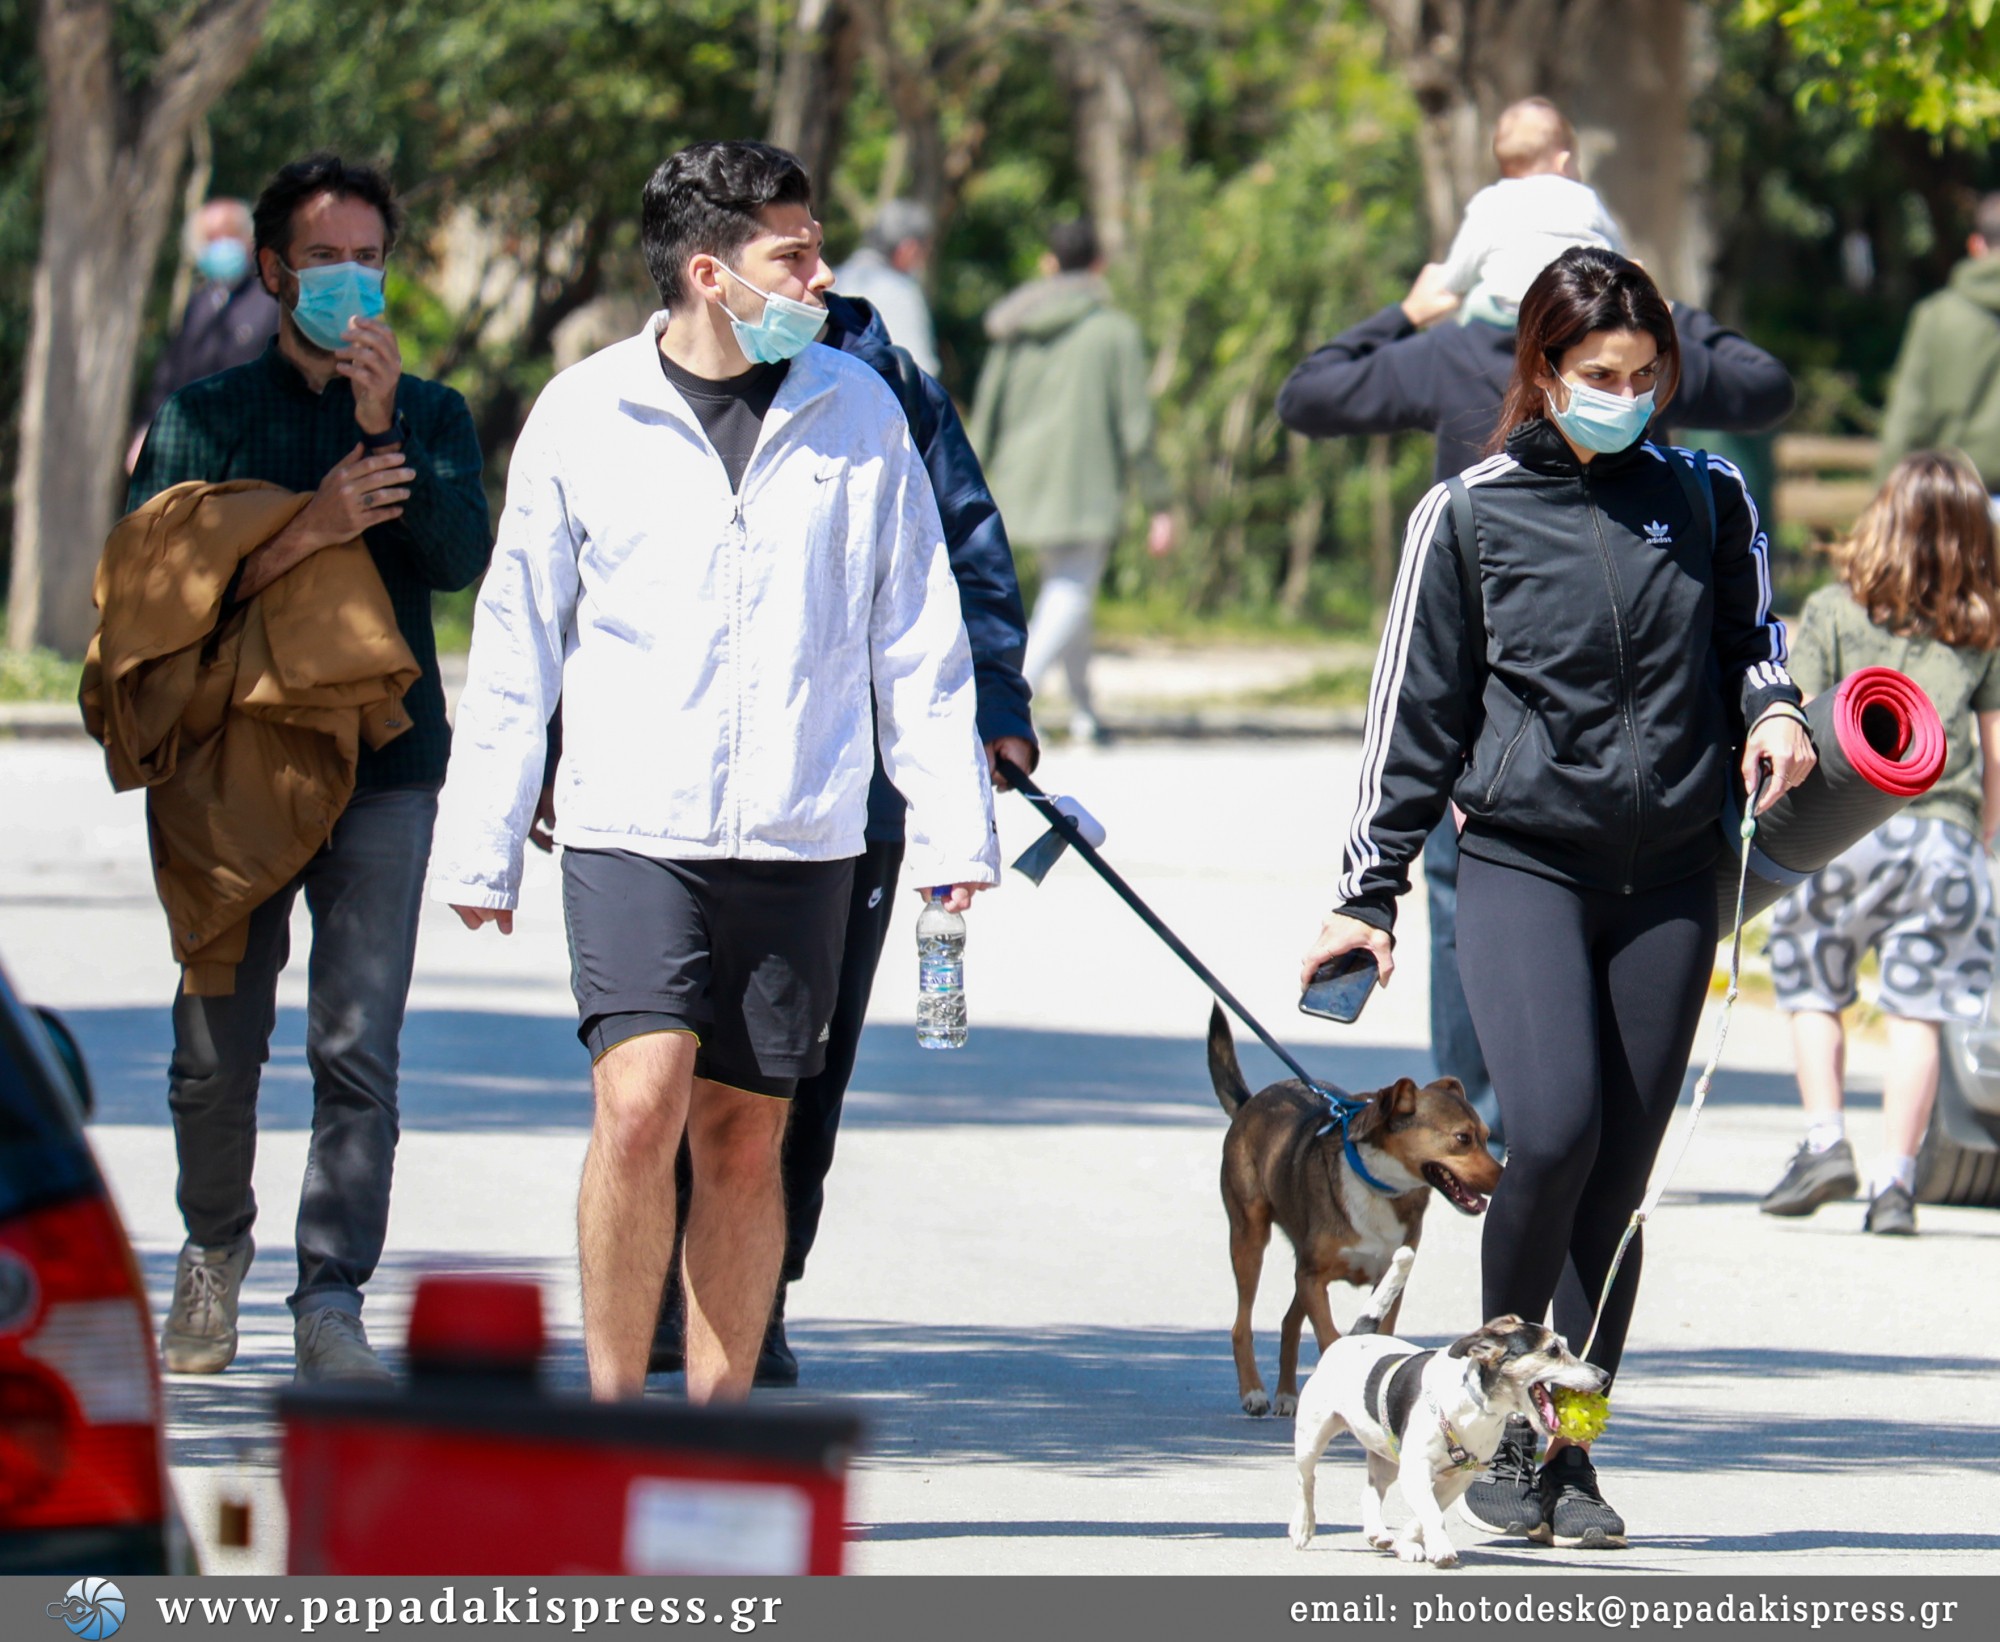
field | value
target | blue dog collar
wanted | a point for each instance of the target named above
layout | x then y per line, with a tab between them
1345	1107
1354	1162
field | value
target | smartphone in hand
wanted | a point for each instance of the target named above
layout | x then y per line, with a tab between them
1340	986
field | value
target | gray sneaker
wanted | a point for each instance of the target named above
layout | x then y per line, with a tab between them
1892	1212
1813	1178
200	1334
332	1345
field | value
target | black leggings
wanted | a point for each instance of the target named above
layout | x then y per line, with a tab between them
1586	1006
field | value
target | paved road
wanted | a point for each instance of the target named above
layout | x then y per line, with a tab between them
1022	1279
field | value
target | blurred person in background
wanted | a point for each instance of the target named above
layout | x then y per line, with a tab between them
887	273
1539	208
388	457
1063	421
1946	390
227	320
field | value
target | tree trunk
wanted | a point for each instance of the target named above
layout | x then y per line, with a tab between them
1631	111
1621	69
1302	530
1123	112
1381	522
815	83
112	154
910	86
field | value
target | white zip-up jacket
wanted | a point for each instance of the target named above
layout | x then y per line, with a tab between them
715	652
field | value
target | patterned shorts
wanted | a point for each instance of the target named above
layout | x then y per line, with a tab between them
1917	891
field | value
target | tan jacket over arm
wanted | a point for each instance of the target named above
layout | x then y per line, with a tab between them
244	723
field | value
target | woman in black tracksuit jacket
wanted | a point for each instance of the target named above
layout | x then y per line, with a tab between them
1585	737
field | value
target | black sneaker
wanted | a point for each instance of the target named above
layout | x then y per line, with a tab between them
1574	1512
1892	1212
776	1365
1813	1178
669	1353
1504	1499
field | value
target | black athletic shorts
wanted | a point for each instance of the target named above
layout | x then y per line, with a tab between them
745	955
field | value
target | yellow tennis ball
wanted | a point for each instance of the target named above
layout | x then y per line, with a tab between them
1582	1416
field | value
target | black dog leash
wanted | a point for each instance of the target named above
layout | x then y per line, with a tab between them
1343	1105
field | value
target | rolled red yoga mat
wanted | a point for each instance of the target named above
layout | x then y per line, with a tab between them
1880	745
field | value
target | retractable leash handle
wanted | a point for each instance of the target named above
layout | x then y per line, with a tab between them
1017	778
1747	832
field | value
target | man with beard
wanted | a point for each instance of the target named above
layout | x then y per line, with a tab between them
391	459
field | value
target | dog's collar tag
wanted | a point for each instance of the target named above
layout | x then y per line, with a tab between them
1460	1456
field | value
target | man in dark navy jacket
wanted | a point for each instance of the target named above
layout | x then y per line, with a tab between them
1401	371
990	598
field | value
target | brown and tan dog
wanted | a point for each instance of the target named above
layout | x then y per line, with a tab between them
1283	1165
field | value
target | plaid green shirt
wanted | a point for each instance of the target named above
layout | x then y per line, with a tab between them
263	421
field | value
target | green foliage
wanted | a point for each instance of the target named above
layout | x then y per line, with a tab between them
1296	220
1930	64
541	118
1293	209
38	675
1827	231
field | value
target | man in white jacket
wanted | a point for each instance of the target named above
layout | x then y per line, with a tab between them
721	552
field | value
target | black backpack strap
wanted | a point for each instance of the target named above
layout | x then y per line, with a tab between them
1697	485
1467	532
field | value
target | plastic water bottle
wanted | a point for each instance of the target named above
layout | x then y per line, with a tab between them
940	975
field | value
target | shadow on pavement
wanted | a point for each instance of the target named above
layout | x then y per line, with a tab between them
1114	1401
473	1070
1094	1528
1128	1401
1824	1539
229	1420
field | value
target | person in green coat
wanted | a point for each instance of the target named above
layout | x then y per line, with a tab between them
1063	423
1946	391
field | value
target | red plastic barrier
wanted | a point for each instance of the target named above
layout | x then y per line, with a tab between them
1889	731
474	1468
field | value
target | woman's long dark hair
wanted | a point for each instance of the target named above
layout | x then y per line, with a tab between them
1583	290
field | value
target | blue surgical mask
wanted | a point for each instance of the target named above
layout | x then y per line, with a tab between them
223	261
785	327
1600	421
332	294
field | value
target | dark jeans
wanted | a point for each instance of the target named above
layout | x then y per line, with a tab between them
815	1119
364	890
1587	1002
1454	1044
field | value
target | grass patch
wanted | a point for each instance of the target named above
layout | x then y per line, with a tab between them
1161	615
1325	687
38	675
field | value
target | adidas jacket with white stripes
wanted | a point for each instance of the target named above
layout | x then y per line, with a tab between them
1624	651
